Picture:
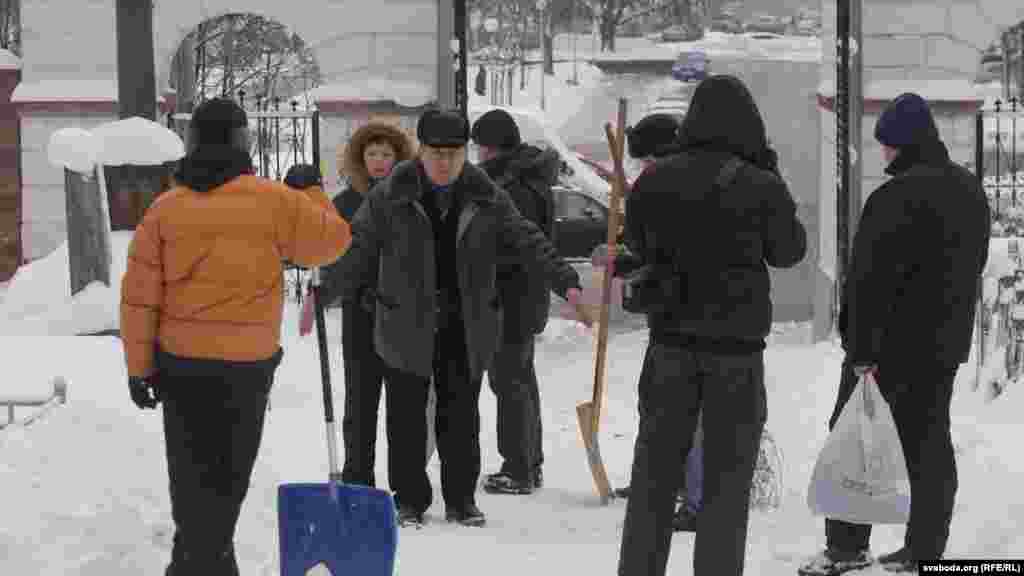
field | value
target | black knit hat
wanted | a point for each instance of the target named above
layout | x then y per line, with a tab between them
215	121
496	129
653	135
907	121
442	128
302	176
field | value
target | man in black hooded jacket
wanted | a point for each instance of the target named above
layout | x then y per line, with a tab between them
907	316
527	174
712	246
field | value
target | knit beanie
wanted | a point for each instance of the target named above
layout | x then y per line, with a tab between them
496	129
215	120
652	134
906	121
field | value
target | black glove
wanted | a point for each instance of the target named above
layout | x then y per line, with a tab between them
143	391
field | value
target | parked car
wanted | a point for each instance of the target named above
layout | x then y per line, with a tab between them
727	25
692	66
681	33
581	195
766	23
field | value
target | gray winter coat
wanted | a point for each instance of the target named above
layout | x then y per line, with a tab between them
392	224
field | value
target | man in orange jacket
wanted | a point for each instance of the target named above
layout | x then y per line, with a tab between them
201	307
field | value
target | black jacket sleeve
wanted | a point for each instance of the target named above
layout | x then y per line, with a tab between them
355	268
526	239
878	266
785	238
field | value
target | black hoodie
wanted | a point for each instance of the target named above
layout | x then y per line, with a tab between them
715	243
527	175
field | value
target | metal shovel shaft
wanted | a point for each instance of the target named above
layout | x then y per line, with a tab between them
334	472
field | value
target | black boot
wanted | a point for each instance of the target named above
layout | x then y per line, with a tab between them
466	515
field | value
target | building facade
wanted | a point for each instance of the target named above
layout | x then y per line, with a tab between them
69	75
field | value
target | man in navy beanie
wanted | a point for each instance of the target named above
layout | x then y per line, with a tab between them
906	317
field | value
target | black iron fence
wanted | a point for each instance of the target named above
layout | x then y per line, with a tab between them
999	159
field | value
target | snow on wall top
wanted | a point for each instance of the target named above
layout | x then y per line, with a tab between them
9	61
375	89
946	90
68	90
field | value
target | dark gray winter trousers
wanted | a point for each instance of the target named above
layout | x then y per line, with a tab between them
919	396
675	385
513	379
213	426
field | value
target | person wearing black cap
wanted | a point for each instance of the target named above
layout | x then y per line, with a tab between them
201	307
708	221
906	316
437	227
526	173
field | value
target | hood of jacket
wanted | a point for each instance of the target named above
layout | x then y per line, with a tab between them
210	166
526	162
724	117
352	162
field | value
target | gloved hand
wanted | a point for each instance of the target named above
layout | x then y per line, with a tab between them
306	319
768	160
143	391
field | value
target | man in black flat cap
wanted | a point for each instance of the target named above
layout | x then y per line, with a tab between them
438	225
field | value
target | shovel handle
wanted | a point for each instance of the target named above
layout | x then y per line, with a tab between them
325	374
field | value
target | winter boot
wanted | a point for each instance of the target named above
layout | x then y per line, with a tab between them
410	517
466	515
900	561
834	562
506	484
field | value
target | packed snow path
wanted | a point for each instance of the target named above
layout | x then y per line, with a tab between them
85	489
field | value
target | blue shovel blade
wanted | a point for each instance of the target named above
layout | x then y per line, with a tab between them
351	529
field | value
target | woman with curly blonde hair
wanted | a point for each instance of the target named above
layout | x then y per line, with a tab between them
372	151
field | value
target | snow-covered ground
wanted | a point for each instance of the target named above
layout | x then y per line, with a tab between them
85	489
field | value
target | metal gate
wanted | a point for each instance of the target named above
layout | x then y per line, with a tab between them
999	157
282	138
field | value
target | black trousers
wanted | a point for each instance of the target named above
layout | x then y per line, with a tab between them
364	375
919	396
213	426
513	379
457	426
675	385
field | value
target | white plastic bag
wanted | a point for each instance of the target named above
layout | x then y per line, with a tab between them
861	475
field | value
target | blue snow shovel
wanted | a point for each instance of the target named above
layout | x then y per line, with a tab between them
350	529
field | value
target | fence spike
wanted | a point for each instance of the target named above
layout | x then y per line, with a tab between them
1013	104
277	103
999	104
295	105
241	97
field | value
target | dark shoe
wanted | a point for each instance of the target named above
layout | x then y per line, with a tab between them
833	562
408	516
505	484
684	520
622	492
901	560
468	515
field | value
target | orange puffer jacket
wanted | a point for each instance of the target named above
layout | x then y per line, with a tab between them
204	275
